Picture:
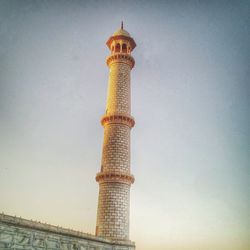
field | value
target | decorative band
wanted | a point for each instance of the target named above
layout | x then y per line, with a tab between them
114	177
121	57
118	118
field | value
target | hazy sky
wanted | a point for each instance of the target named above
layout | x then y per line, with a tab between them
190	100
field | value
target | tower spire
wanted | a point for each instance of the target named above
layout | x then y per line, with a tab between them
122	25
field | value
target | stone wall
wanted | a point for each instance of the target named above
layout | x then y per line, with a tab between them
113	206
118	99
17	233
116	149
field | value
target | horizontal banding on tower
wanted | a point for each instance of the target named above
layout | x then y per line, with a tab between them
115	177
118	118
121	58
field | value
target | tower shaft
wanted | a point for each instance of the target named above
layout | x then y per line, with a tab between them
115	178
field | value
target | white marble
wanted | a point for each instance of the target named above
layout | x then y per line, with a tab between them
17	233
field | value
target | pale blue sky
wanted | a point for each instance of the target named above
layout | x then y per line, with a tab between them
190	100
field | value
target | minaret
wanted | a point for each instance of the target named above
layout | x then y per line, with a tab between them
115	178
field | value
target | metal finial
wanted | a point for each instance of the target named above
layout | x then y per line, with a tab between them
122	25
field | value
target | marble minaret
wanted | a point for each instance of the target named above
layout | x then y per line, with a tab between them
115	177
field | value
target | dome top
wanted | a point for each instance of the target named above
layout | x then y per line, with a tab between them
121	32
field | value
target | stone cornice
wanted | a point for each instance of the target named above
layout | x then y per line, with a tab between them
121	58
115	177
118	119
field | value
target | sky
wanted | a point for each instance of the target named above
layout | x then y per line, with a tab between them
190	147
